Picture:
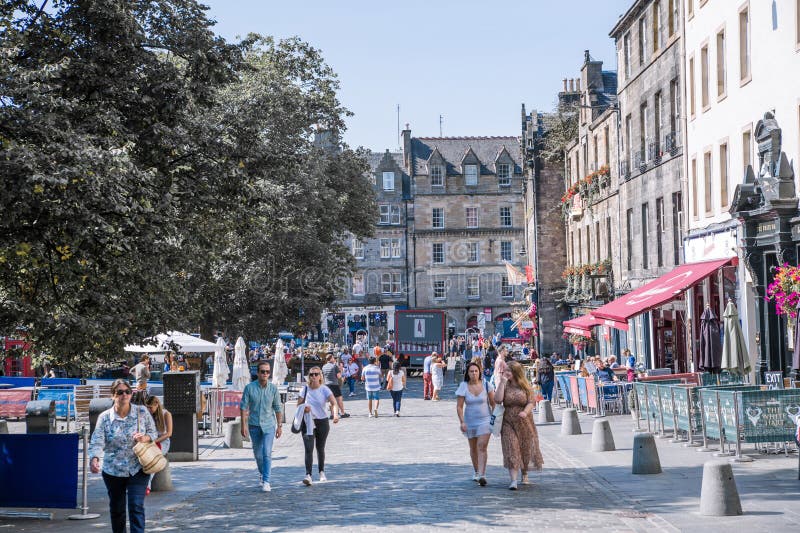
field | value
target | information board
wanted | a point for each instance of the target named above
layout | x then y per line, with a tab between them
770	416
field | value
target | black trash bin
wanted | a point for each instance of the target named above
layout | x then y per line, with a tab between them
40	416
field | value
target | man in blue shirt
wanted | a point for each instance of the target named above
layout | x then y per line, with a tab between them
427	379
261	420
371	376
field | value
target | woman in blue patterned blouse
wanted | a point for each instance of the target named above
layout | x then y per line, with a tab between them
118	429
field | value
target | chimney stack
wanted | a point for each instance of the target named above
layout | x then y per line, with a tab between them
578	84
586	57
565	84
571	85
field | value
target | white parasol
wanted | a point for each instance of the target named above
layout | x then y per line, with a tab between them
241	370
221	372
279	368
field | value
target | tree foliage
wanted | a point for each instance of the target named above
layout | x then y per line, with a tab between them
155	176
561	129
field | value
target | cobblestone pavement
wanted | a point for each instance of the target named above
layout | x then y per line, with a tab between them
411	473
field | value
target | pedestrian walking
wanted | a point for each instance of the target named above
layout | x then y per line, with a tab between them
118	429
163	420
474	410
312	400
262	418
371	376
332	374
437	376
141	372
385	361
396	383
350	371
545	376
427	382
518	435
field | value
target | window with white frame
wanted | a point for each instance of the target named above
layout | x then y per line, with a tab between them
388	181
744	41
437	176
395	248
439	289
505	250
437	253
471	174
389	214
506	290
386	249
472	252
358	248
358	284
473	287
395	282
472	217
386	283
505	217
642	39
504	174
437	218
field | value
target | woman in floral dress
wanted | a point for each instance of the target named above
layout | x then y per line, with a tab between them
518	435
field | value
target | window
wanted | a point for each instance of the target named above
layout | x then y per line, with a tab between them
505	217
608	237
659	231
656	25
438	253
628	135
744	44
674	108
704	75
657	121
506	290
504	174
645	230
396	251
595	143
388	181
471	174
677	224
797	22
723	175
358	249
439	289
691	87
672	22
472	252
390	214
505	251
746	147
643	132
629	228
580	247
472	217
626	51
358	284
437	176
473	287
690	8
642	40
707	179
607	146
437	218
597	255
390	283
721	74
695	197
386	249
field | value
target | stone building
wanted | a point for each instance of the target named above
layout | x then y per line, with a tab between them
543	187
589	201
468	221
380	283
650	212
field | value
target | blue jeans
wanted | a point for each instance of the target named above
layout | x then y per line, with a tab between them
351	382
133	488
262	449
397	396
547	390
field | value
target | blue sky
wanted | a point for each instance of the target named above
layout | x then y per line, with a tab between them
474	62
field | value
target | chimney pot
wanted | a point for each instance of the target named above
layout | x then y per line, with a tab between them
565	84
578	84
571	85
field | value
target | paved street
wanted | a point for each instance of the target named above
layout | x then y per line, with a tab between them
412	473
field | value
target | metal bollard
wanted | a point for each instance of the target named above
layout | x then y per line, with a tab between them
85	514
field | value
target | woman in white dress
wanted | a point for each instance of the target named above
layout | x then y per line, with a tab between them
437	376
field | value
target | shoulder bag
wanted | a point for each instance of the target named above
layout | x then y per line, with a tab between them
148	453
299	422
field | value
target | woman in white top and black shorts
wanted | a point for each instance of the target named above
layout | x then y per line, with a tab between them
314	396
396	382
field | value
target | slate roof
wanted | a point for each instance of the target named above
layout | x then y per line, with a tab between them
375	158
453	149
609	94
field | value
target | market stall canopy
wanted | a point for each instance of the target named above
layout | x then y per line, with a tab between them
162	342
583	325
660	290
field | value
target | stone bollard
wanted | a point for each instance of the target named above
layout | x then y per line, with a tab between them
545	415
645	455
3	427
602	438
719	496
570	425
162	481
233	433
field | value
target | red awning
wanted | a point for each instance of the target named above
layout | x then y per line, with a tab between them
660	290
583	325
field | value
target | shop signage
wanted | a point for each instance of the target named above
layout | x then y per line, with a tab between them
773	380
766	229
527	324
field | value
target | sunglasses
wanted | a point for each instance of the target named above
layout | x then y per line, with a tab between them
120	392
315	374
263	371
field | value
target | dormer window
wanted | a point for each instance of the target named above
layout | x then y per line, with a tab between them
471	174
388	181
437	176
504	174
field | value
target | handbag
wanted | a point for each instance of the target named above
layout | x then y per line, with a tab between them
299	422
149	454
496	422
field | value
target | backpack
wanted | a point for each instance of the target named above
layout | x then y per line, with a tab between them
545	371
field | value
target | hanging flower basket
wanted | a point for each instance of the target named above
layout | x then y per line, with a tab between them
785	290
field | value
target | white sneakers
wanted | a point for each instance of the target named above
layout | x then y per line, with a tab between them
307	481
513	485
476	477
322	477
265	487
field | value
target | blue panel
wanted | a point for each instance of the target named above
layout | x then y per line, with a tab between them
17	381
51	382
39	470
